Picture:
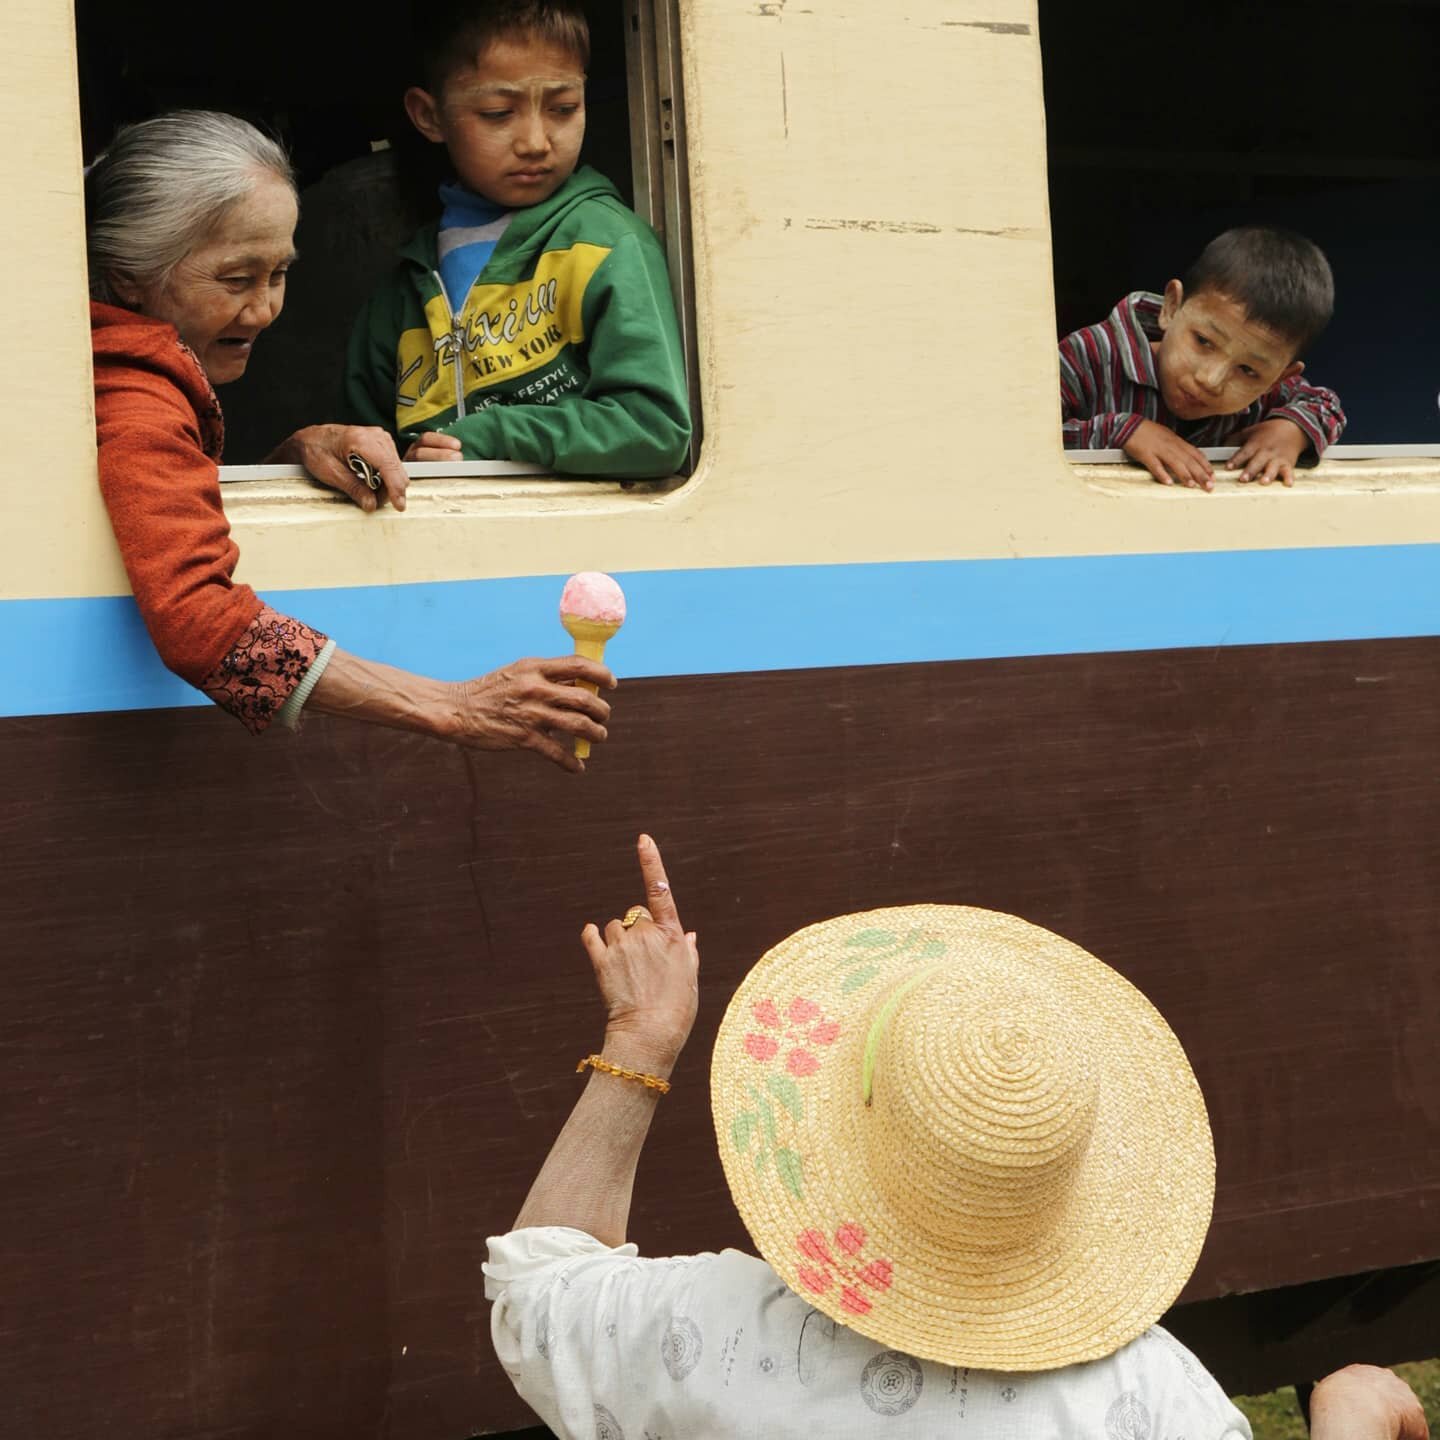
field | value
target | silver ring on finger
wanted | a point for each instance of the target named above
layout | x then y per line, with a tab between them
363	470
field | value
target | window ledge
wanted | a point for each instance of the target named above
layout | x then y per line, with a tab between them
285	495
1410	474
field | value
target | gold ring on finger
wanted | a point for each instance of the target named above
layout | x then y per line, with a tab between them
636	913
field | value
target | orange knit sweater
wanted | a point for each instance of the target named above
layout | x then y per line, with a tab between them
160	435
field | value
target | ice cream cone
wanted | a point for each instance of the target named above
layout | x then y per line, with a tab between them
592	609
590	637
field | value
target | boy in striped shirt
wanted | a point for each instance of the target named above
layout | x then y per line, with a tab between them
1211	362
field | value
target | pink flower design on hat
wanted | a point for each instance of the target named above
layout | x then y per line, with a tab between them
799	1030
842	1263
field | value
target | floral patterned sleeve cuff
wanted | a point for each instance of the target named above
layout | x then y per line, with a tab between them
266	665
289	713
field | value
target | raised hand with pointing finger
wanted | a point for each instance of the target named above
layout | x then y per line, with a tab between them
646	966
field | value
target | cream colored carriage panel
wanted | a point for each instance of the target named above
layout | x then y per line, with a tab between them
54	536
876	324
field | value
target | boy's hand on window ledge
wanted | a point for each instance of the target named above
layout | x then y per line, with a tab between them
1268	451
1171	460
433	447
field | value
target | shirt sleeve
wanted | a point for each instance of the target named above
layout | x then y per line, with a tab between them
288	714
1083	427
276	660
633	418
523	1268
163	495
1313	408
1162	1381
600	1342
368	388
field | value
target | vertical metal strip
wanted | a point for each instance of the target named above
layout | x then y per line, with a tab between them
660	165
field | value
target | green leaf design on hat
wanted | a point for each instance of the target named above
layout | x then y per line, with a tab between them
862	969
789	1167
787	1092
742	1127
767	1118
763	1123
873	939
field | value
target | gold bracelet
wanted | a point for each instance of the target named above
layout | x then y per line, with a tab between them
650	1082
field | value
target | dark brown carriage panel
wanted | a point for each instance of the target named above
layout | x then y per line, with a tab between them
289	1024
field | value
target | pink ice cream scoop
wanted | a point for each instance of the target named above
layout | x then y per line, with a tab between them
592	609
593	598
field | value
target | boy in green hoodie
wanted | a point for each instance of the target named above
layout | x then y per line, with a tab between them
534	322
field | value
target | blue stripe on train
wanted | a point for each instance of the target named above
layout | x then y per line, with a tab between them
64	656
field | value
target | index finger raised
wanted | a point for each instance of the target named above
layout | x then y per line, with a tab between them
657	887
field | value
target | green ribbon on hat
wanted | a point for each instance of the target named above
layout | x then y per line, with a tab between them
878	1024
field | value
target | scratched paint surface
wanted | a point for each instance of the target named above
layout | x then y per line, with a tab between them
274	1075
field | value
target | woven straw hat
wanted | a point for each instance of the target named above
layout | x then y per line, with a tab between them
1030	1180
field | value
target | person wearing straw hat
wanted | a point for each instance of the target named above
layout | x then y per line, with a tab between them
974	1158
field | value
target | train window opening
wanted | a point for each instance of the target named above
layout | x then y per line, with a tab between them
1168	124
332	94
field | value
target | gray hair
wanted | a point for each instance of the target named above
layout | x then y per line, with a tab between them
160	188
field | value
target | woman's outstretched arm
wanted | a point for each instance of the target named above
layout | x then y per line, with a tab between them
513	708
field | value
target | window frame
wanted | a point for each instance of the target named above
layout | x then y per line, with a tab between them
1110	161
659	165
660	177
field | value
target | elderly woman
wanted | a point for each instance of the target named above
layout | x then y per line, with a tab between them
191	223
974	1158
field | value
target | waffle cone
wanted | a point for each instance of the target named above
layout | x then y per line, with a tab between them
590	637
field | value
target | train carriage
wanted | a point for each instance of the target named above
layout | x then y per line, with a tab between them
289	1023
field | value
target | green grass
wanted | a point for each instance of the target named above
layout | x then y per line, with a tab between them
1276	1417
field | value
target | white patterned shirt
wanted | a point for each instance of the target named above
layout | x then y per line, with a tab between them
606	1346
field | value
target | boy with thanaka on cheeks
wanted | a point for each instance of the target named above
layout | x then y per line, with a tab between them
1211	362
534	322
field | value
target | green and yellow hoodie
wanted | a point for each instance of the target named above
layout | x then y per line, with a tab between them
566	353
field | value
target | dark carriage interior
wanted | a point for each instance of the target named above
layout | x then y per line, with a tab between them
1169	122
